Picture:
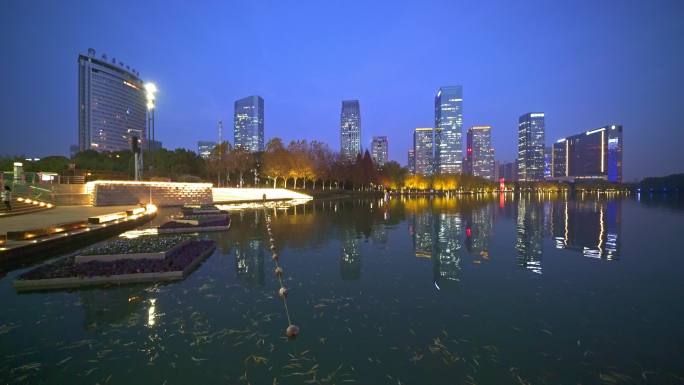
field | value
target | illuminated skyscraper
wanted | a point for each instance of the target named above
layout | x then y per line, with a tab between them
350	130
547	162
248	123
425	141
531	147
449	118
595	154
479	152
204	149
111	104
379	150
412	161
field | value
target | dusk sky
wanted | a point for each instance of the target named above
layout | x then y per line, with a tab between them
584	63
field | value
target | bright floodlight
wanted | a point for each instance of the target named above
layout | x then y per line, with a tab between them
150	88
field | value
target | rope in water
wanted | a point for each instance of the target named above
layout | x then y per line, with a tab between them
292	330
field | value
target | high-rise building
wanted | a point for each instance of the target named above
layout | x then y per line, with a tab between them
412	161
449	118
111	104
204	148
547	162
425	141
350	130
479	152
594	154
531	147
379	150
248	120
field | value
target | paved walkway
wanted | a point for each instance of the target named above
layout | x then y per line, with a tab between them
60	214
236	195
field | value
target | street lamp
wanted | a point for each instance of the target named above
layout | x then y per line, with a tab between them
150	90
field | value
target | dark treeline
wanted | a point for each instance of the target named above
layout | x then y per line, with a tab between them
674	182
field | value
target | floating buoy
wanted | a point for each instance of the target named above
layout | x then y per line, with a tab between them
292	331
282	292
279	271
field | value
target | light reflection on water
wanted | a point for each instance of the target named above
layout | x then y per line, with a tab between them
409	290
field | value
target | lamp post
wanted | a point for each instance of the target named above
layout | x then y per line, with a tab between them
136	136
220	150
150	89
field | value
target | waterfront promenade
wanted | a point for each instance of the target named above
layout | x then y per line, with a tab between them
58	215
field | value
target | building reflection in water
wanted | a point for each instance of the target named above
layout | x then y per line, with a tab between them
529	242
478	229
350	261
249	261
589	227
103	308
439	237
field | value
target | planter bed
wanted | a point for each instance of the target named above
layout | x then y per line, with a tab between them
65	273
143	244
113	257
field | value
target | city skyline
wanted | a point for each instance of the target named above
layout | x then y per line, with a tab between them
574	95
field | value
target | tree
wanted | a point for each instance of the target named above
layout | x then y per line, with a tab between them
275	161
391	175
219	162
241	161
300	163
322	159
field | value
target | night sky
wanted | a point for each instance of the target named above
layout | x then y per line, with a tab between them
584	63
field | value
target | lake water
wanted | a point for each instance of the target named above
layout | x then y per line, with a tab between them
517	290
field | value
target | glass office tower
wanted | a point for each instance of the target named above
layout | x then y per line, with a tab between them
350	130
111	104
425	142
248	120
412	161
531	147
449	118
379	147
479	152
594	154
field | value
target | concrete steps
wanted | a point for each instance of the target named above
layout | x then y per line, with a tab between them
23	206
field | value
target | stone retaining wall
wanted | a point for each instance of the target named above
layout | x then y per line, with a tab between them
109	193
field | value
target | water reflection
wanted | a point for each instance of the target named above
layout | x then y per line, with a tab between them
589	227
249	261
350	260
448	232
104	308
529	234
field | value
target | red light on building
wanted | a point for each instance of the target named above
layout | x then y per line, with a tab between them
502	185
468	232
